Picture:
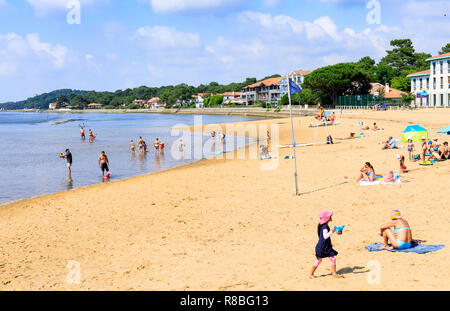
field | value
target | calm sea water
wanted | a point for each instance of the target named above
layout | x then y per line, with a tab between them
31	142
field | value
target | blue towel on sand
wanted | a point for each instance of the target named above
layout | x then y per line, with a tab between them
415	248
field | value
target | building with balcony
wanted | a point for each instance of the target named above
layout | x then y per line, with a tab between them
264	91
432	86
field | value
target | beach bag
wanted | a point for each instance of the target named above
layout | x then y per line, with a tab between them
329	140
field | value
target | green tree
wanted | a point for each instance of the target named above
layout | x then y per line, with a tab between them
214	101
420	63
383	74
366	64
445	49
401	57
340	79
402	83
295	98
407	98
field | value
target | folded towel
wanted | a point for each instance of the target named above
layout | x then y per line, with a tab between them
415	248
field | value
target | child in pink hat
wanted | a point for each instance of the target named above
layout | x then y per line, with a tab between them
324	248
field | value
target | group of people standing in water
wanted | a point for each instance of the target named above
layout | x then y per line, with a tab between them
142	146
83	134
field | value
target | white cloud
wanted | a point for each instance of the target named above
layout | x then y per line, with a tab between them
89	57
57	52
160	37
171	6
283	25
20	53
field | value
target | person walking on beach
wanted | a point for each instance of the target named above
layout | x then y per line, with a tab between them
103	163
324	248
68	157
268	140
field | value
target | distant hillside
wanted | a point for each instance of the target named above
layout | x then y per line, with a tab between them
124	98
41	101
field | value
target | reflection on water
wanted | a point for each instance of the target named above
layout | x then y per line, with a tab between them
29	159
69	183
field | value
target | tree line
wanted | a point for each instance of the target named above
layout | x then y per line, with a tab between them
322	86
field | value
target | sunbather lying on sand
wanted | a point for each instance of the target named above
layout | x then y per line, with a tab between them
367	173
352	136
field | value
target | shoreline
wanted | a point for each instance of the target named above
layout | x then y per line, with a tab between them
226	224
245	112
189	128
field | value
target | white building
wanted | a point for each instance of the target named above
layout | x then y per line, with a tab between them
154	103
433	86
199	99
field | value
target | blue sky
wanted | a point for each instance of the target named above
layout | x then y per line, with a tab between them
121	44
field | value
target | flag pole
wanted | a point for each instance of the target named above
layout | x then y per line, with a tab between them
293	137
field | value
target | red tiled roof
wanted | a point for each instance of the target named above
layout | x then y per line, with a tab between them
393	93
303	72
267	82
425	72
153	100
231	94
442	55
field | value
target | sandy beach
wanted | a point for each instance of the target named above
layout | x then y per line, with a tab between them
226	224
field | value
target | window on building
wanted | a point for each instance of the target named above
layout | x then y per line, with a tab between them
434	83
448	66
434	99
442	82
442	67
442	100
434	68
428	83
420	83
448	102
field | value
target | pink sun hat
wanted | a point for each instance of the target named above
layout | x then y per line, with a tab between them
325	216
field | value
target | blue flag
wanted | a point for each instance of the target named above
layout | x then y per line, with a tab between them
294	87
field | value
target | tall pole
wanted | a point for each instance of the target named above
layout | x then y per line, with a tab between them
293	137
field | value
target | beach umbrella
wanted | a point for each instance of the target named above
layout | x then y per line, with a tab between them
415	133
445	130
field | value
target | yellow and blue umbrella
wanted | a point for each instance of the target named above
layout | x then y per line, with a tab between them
415	133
